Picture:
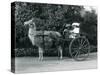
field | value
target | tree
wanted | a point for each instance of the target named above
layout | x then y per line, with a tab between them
51	17
89	26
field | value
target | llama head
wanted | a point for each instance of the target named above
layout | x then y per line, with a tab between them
30	23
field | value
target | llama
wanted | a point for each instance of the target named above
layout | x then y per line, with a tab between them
37	40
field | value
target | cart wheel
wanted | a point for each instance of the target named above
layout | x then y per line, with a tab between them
79	48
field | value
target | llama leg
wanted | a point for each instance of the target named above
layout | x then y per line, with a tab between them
40	53
60	51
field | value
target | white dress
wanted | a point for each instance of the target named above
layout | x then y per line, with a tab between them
74	32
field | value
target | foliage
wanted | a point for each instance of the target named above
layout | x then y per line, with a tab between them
20	52
89	26
51	17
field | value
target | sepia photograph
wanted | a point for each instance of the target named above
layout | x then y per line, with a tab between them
53	37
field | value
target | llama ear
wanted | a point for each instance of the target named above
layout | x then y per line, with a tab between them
32	19
33	23
25	23
29	21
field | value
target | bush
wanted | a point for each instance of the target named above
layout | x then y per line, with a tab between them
26	52
20	52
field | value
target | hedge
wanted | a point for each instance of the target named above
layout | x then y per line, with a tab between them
20	52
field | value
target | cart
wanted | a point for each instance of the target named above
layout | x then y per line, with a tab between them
79	47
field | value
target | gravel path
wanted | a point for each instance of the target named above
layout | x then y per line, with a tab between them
32	64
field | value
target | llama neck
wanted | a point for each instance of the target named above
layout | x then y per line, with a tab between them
32	31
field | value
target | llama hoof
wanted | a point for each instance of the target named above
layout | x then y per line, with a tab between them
40	59
60	58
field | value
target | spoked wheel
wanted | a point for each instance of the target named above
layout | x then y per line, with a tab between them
79	48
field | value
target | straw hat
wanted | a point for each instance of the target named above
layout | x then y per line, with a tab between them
75	24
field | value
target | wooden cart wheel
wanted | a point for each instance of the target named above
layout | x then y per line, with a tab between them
79	48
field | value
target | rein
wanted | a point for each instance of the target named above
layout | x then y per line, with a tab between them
39	35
